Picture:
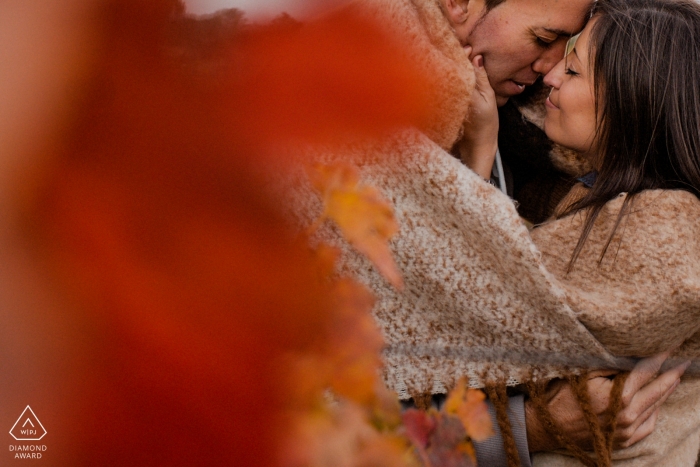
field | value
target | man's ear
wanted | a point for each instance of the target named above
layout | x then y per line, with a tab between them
456	10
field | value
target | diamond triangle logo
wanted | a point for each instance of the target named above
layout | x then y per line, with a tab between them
28	427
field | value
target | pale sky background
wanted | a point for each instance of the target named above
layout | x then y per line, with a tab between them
253	8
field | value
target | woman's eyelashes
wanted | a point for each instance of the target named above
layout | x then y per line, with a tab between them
571	71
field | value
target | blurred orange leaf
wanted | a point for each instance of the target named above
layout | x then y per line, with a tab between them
363	215
326	257
468	404
340	435
386	413
356	343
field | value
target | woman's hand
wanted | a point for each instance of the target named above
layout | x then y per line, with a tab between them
642	396
478	147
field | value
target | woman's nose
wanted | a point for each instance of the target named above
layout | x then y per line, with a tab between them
555	76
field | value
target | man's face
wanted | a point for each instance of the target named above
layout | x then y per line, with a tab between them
520	39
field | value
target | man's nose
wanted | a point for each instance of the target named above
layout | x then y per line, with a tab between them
549	58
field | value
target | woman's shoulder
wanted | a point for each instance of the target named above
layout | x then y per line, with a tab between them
647	205
653	223
654	206
676	200
651	216
650	205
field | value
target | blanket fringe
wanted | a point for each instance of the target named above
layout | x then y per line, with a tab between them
499	398
603	435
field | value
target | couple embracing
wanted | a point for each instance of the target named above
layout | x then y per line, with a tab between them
550	320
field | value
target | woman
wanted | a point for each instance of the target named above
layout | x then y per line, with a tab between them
625	97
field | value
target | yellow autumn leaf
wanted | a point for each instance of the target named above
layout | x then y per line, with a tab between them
467	448
468	404
456	397
365	218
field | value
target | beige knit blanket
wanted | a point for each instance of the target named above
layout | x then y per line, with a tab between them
478	300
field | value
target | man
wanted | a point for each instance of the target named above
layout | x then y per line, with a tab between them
515	42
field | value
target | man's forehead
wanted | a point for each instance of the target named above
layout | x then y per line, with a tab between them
557	17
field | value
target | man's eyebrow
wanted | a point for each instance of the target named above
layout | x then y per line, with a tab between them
559	32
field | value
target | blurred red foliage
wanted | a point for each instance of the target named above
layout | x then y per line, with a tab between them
154	221
339	77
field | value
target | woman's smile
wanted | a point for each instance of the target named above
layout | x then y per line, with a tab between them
549	104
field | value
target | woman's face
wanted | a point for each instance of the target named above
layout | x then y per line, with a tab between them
571	115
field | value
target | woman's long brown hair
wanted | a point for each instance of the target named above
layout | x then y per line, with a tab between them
646	65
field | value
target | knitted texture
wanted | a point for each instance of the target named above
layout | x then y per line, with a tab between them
477	298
